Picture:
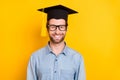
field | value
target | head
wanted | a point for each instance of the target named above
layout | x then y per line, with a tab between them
57	29
57	21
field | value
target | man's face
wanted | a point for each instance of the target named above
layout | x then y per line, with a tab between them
57	30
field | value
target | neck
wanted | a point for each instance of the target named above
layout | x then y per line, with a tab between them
57	48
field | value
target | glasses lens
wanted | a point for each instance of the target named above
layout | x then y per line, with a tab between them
54	27
62	27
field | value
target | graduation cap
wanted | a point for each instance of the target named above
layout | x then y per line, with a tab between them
57	12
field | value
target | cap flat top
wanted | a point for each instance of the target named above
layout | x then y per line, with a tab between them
47	9
57	12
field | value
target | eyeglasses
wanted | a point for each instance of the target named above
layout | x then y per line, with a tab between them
54	27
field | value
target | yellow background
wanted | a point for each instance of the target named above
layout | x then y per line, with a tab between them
95	32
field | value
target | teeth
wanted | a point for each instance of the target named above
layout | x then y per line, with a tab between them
57	36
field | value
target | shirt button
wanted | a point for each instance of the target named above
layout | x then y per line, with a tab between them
55	59
55	71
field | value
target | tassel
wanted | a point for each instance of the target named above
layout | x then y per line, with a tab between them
43	26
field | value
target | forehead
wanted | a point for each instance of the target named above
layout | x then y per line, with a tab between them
56	21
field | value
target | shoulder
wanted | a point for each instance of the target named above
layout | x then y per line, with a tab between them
39	52
77	56
73	52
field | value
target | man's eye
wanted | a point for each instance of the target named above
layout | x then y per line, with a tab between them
62	26
52	26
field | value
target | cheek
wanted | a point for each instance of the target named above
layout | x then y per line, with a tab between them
64	32
49	32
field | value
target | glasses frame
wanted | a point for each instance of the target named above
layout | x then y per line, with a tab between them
58	27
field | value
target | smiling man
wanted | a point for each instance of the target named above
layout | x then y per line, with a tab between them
56	61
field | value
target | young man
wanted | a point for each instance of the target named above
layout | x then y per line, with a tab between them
56	61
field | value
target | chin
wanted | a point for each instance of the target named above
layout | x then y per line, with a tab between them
57	41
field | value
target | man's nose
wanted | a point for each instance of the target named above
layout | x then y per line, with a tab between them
57	30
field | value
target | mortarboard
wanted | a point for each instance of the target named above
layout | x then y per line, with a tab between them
57	12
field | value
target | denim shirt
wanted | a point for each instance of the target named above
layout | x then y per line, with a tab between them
45	65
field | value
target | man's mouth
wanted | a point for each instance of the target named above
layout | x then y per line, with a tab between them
57	36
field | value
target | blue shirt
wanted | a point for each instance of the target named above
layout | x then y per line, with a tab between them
45	65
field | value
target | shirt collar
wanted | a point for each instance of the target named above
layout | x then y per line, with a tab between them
48	48
65	50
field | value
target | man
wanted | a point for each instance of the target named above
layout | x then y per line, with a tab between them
56	61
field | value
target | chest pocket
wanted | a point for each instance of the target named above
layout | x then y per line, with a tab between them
67	74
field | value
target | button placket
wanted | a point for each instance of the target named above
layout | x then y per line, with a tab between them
55	68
